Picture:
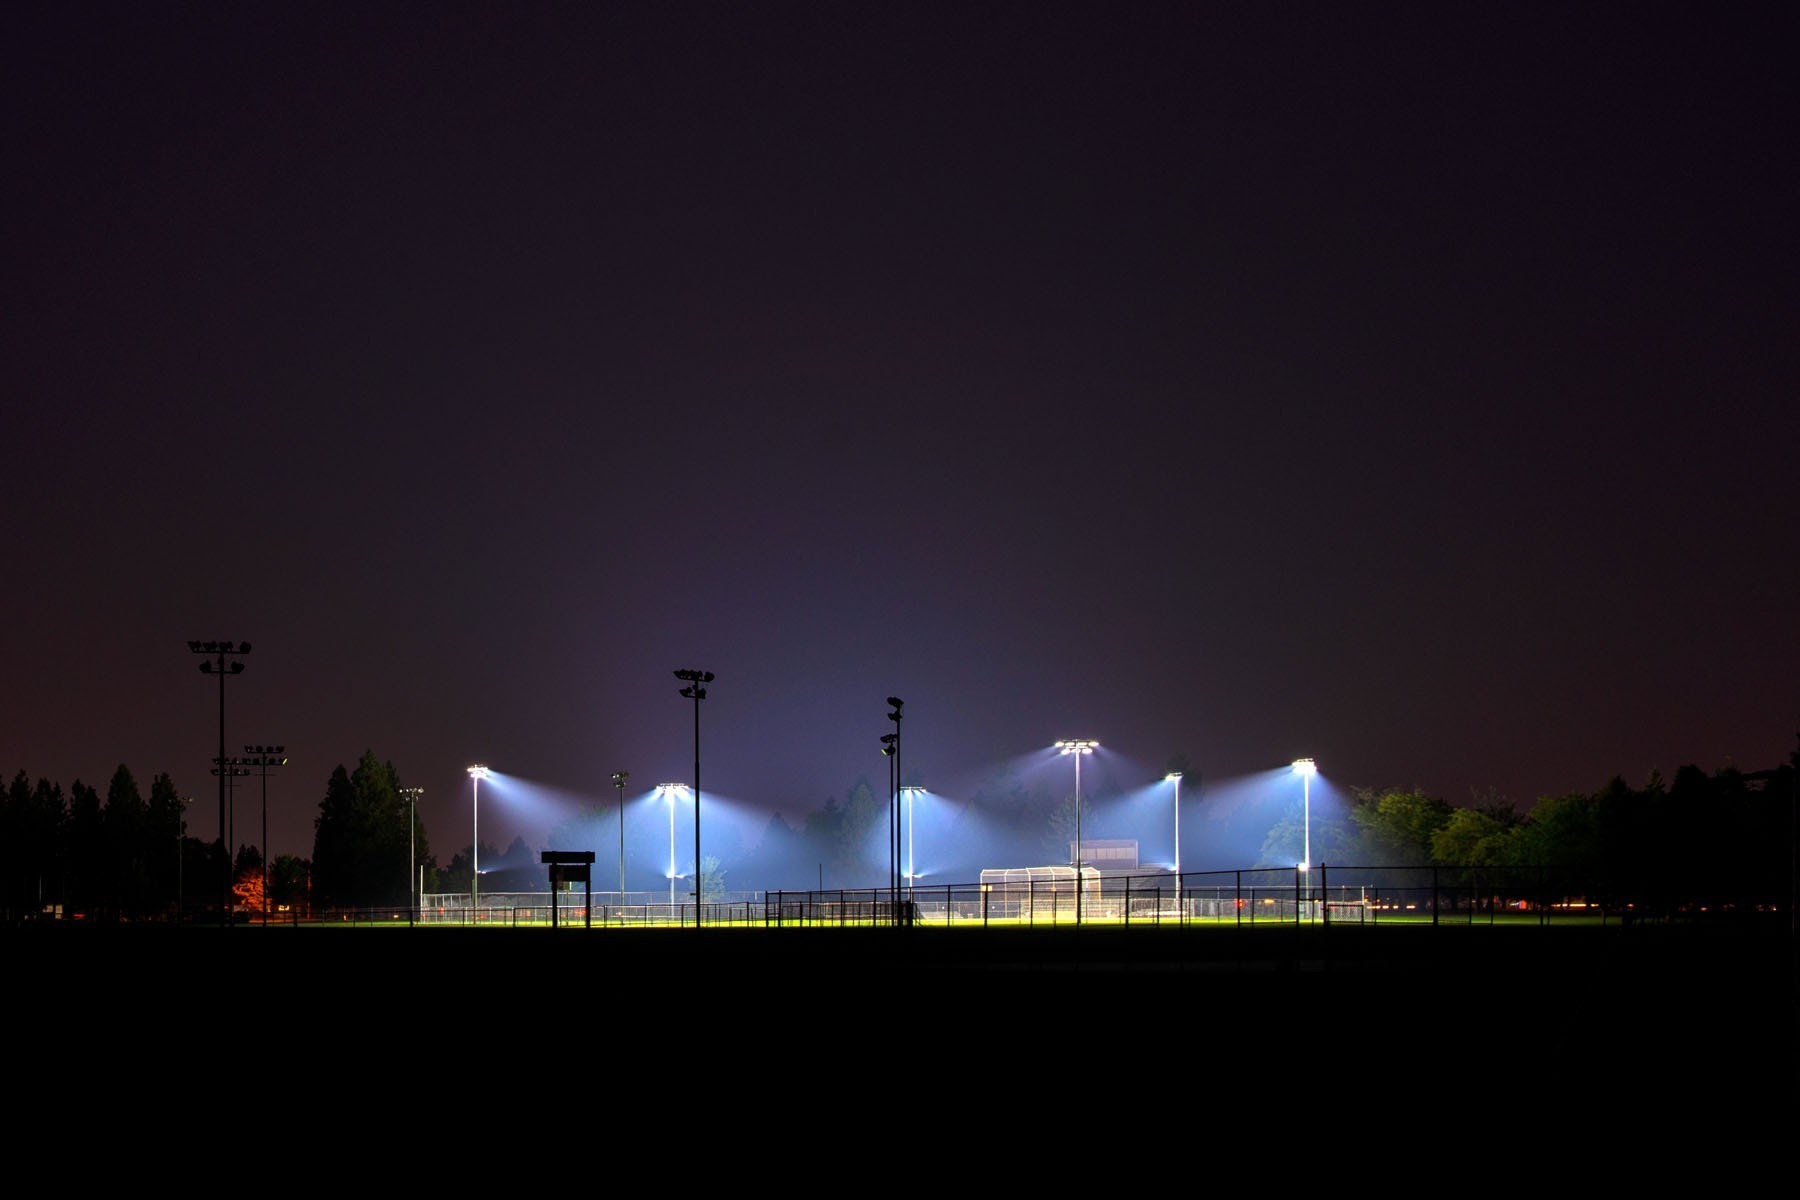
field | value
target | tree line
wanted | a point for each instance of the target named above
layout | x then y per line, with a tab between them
1727	837
1723	840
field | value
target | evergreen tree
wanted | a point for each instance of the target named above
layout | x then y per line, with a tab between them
124	826
360	838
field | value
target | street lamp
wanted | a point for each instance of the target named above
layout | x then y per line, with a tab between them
1306	769
477	773
412	795
696	691
221	660
672	790
265	759
1078	748
619	778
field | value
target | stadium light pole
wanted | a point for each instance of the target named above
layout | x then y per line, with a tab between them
910	794
477	773
1078	747
222	659
265	759
696	691
1175	778
412	795
1306	769
619	778
672	790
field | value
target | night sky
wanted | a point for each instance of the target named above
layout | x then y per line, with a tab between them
1407	386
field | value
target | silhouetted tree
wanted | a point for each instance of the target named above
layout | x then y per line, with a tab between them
33	840
85	847
360	838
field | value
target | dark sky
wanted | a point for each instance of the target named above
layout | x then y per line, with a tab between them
1409	386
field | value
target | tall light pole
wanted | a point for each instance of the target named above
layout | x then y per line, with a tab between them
910	795
1306	769
619	778
672	790
222	660
265	759
696	691
412	795
1175	778
896	704
477	773
1077	747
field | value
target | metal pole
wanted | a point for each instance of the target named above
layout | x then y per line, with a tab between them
697	890
224	833
619	778
1078	838
1306	817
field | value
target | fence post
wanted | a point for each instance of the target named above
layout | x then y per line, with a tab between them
1324	896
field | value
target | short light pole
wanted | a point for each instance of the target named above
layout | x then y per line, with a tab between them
619	778
229	771
1306	769
896	704
890	747
477	773
222	660
266	759
1078	748
412	795
696	691
181	857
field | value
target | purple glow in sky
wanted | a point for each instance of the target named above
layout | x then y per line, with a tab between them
1410	387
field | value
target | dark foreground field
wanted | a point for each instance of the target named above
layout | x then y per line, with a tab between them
1622	1015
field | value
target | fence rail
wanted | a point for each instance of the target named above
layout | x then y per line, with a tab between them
1251	896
